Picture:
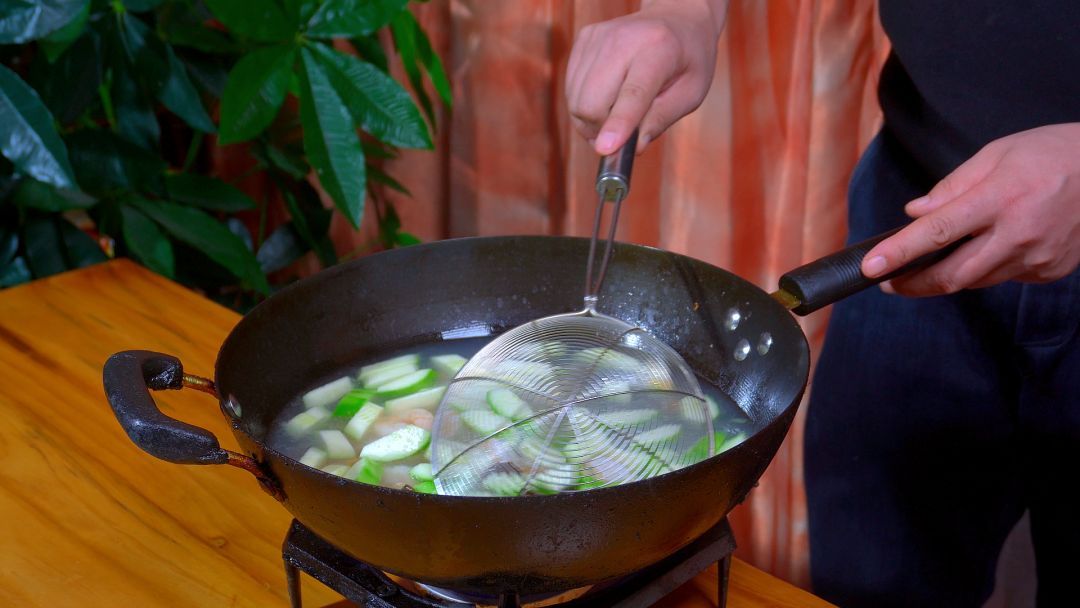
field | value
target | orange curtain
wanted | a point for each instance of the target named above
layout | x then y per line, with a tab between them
754	181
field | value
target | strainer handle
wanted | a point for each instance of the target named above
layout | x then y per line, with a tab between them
612	185
613	176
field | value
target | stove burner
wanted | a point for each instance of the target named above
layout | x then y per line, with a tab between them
369	587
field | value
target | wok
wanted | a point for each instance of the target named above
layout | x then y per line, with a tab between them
482	286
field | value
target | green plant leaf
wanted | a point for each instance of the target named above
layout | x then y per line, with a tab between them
283	247
312	221
162	74
105	161
405	239
344	18
140	6
179	95
27	136
209	72
209	236
25	20
431	62
300	11
330	140
135	118
9	244
378	175
376	149
285	159
44	250
255	91
403	27
32	194
370	50
376	101
57	42
15	273
199	37
206	192
263	21
80	249
70	85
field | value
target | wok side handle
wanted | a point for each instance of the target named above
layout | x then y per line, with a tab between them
129	377
839	275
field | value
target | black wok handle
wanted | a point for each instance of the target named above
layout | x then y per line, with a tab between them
129	377
839	275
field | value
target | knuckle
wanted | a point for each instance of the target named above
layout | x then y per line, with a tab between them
944	283
633	90
940	230
1040	259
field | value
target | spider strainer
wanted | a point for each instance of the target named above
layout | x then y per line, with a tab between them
572	401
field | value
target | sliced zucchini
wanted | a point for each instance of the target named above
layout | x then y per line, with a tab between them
588	482
314	457
448	365
427	399
336	469
484	423
625	418
730	443
407	384
659	435
424	487
607	359
505	403
516	370
337	445
700	450
366	471
504	484
389	374
714	407
556	479
327	394
361	422
402	443
367	371
533	449
306	420
617	391
351	403
422	472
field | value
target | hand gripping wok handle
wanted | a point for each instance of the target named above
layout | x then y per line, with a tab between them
129	377
613	176
839	275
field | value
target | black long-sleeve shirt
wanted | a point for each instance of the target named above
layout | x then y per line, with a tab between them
965	72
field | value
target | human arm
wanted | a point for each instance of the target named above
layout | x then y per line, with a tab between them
1019	200
646	70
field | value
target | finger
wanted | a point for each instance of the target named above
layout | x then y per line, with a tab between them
640	87
955	184
967	214
668	107
587	130
963	269
599	88
581	58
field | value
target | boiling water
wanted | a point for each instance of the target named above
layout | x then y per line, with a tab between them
729	420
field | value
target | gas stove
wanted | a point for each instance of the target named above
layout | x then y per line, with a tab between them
361	583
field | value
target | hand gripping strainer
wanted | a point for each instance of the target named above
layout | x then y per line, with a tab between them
571	401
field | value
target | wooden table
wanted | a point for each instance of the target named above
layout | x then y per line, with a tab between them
89	520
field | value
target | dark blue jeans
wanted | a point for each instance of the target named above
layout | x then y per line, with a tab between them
935	422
